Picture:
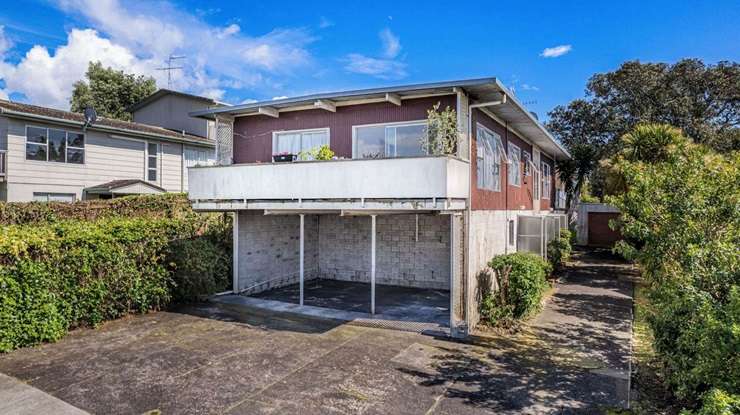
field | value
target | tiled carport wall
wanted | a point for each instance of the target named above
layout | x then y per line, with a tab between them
338	247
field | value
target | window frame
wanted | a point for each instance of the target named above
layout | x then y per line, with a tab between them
158	157
394	124
512	232
509	171
275	135
48	194
66	145
546	180
495	157
527	170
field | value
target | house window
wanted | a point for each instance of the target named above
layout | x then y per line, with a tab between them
546	180
152	164
515	173
512	232
293	142
53	197
50	144
527	159
488	157
389	140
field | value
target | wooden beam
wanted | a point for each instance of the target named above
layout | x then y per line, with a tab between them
393	98
325	105
269	111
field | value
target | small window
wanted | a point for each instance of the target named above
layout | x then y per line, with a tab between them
512	232
50	144
389	140
152	165
53	197
515	173
293	142
546	181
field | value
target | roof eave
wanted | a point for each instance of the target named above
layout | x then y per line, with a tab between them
29	116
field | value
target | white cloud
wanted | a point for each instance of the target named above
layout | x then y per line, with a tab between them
385	67
324	23
139	36
280	97
528	87
556	51
46	78
391	43
379	68
248	101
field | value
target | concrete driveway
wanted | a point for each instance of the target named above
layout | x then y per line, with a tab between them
216	359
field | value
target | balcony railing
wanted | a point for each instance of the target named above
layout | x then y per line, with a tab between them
436	179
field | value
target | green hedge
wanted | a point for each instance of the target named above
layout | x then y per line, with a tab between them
170	205
522	281
63	274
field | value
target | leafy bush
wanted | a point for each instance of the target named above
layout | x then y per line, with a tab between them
63	274
521	281
680	216
170	205
322	152
559	249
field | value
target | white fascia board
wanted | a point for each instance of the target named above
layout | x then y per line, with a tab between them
325	105
269	111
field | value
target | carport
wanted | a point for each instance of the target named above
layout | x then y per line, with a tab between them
389	264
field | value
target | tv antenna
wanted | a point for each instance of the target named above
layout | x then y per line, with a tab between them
169	68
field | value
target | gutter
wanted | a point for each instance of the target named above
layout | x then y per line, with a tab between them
27	116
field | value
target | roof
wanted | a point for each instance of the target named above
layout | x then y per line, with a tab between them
480	90
112	186
27	111
164	92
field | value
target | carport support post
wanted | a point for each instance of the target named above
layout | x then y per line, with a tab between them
372	264
301	280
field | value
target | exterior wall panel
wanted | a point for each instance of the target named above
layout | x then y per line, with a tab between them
546	204
253	134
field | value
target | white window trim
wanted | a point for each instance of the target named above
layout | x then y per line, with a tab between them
146	161
66	137
546	195
527	161
496	157
381	124
275	134
511	161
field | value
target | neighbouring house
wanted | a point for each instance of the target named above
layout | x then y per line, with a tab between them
50	155
384	212
592	225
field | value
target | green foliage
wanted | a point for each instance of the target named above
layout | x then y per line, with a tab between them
60	274
322	152
680	205
110	91
697	98
442	132
718	402
521	282
170	205
559	249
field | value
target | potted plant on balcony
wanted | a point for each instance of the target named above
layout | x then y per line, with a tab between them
322	152
283	157
442	131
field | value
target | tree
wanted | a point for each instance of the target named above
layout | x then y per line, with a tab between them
110	91
703	101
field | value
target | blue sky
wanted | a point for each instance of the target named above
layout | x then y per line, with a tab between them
241	51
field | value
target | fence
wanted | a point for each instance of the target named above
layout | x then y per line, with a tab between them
536	231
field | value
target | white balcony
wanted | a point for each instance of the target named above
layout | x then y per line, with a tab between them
417	183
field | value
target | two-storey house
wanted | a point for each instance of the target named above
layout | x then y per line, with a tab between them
384	211
52	155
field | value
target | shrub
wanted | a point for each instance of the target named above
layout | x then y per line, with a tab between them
522	280
62	274
680	218
559	249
